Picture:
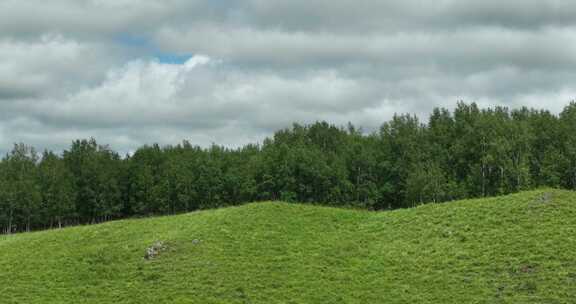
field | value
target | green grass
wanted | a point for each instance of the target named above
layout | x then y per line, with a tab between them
514	249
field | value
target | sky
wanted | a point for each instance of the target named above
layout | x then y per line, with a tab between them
134	72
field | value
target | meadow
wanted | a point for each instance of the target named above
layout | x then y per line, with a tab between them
512	249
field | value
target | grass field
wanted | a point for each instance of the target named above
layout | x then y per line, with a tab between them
514	249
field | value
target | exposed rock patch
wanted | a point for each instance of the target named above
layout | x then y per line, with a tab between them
155	250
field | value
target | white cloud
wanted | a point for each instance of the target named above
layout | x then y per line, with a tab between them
205	92
51	63
203	99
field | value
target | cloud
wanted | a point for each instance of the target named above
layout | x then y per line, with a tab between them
130	72
49	64
408	15
201	96
463	49
104	17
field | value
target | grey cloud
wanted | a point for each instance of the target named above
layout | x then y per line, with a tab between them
10	90
97	17
399	16
68	68
474	48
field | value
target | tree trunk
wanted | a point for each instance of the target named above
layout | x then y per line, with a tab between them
518	177
483	181
358	184
502	179
10	216
483	167
574	179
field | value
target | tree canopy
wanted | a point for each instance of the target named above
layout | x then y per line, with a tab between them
465	153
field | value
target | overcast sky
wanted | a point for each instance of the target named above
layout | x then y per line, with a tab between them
130	72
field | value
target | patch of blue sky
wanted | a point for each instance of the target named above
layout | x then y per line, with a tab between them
141	46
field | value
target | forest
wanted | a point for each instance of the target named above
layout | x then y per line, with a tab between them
468	152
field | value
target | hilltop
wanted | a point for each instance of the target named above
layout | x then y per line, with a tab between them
513	249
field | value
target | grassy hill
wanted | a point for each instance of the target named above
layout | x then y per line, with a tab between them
515	249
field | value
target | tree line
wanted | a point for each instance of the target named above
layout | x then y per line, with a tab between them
465	153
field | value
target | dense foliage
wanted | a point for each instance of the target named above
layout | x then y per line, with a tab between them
470	152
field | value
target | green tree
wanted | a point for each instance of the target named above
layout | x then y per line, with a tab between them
57	189
95	170
568	161
20	190
402	141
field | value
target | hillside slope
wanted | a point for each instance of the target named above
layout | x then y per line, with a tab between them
515	249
